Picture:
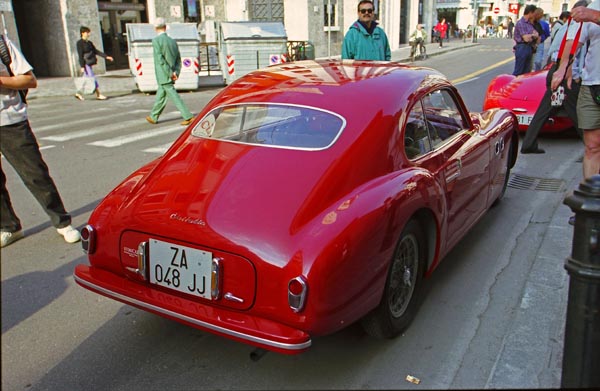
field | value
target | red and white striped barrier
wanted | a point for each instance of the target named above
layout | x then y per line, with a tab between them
230	64
138	67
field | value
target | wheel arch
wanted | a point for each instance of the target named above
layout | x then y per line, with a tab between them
428	223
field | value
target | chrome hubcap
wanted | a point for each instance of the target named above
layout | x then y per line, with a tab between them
404	275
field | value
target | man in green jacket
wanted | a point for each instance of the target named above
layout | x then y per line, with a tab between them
167	65
364	39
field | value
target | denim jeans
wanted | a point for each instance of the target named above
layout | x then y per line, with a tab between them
538	57
20	148
523	54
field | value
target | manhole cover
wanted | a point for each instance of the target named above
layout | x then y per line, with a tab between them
524	182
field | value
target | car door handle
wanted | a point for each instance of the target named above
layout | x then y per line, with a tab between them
454	170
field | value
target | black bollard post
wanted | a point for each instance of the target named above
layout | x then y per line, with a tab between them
581	350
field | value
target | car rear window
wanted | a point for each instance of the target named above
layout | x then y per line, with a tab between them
274	125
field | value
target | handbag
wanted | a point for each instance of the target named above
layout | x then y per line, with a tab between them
558	96
85	85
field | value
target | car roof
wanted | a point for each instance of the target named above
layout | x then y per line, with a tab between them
342	86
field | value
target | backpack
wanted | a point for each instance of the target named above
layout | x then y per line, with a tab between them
6	60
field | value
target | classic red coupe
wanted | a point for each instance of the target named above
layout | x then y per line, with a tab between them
304	197
522	95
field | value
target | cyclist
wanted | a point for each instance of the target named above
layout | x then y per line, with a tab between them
417	41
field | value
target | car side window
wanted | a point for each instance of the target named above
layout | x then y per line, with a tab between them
443	116
416	134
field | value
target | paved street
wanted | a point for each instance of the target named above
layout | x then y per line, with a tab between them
492	316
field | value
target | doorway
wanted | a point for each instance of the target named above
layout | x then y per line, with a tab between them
113	18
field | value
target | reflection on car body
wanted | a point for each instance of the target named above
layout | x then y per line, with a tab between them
290	208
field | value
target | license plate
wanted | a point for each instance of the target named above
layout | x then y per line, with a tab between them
524	119
180	268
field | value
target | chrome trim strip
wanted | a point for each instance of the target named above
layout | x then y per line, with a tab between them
209	326
452	177
142	258
215	278
229	296
344	122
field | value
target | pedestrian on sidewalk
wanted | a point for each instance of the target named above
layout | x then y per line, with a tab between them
510	28
588	102
20	148
441	29
543	28
87	58
526	38
167	65
545	109
365	40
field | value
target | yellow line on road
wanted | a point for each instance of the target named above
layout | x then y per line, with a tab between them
479	72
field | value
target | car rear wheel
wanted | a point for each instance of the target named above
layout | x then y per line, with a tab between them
400	297
509	164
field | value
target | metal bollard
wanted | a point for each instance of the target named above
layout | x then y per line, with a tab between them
581	350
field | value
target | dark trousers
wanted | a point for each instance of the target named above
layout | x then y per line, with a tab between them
523	54
545	110
20	148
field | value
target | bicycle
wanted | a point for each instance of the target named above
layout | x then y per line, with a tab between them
420	44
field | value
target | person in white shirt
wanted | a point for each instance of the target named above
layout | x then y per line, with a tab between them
20	148
588	111
545	109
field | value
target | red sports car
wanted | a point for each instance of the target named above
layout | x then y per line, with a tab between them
523	94
305	197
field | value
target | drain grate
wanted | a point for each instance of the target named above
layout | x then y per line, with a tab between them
524	182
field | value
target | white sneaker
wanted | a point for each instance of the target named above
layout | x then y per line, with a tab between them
7	238
70	234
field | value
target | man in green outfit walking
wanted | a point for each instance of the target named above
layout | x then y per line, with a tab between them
167	65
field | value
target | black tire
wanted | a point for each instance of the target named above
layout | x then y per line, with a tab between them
400	301
509	164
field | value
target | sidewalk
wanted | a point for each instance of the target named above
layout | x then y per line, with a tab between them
122	82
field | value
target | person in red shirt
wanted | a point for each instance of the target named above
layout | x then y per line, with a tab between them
442	29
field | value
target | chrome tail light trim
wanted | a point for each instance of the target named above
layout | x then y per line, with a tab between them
297	301
88	239
142	258
215	278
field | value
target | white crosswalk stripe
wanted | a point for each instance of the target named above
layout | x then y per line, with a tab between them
69	121
94	131
159	149
60	121
130	138
104	127
123	125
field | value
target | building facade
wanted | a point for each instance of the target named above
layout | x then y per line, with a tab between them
47	30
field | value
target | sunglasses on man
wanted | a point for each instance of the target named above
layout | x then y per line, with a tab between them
366	11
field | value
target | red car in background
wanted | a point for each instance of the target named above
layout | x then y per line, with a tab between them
522	95
305	197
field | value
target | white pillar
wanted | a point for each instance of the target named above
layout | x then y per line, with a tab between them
151	10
